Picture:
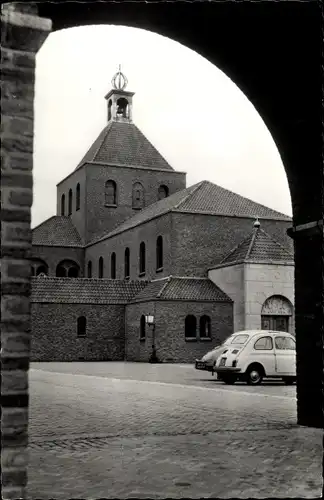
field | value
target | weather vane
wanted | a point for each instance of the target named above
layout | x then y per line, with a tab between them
119	80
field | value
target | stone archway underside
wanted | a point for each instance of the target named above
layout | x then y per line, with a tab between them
282	84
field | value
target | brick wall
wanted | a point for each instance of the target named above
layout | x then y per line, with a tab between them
101	219
171	345
22	34
201	241
104	341
54	255
132	238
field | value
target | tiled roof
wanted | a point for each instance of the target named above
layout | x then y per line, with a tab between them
204	197
258	246
182	288
124	144
57	231
84	290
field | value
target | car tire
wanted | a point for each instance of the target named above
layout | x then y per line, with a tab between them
289	380
229	379
254	375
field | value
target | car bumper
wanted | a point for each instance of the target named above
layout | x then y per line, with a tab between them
227	369
202	365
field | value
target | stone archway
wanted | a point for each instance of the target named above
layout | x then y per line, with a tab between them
280	85
276	314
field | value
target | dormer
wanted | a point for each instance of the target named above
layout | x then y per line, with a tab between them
119	100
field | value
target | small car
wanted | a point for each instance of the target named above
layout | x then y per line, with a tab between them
258	354
208	361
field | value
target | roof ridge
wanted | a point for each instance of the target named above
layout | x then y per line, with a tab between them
275	241
151	144
195	188
227	256
46	220
108	128
253	239
164	286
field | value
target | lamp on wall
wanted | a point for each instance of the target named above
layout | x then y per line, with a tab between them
150	320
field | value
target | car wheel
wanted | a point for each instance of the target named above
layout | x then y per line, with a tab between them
229	379
254	375
289	380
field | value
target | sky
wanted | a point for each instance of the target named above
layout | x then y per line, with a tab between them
196	117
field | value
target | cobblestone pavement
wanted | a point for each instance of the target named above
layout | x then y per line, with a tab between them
118	430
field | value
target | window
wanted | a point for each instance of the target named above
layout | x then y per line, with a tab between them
67	269
111	193
127	262
100	267
239	339
77	197
109	109
89	269
113	266
63	204
122	107
142	328
264	343
142	258
190	327
138	196
205	327
39	267
70	201
163	192
159	253
285	343
81	326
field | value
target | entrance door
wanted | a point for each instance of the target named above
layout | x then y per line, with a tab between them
277	323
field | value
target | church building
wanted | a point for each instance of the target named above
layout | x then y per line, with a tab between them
136	266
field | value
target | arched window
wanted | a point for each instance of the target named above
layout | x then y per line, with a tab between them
159	253
63	204
67	268
39	267
163	192
70	202
77	197
190	327
101	267
89	269
111	193
122	107
142	328
205	327
142	258
127	263
81	326
138	201
109	109
113	266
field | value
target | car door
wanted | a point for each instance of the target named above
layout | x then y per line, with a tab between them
263	353
285	352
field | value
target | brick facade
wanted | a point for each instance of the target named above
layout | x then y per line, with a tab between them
52	256
170	342
105	332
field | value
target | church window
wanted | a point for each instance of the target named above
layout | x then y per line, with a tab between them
82	326
138	201
89	269
70	202
190	327
205	327
163	192
113	266
77	197
63	204
142	258
127	263
100	267
111	193
159	253
142	328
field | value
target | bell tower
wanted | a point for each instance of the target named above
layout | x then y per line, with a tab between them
119	100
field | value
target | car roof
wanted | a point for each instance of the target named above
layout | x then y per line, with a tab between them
261	332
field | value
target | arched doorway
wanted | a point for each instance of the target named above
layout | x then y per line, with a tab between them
276	314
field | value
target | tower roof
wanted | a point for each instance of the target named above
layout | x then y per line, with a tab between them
124	144
258	246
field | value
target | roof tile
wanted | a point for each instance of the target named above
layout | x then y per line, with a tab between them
56	231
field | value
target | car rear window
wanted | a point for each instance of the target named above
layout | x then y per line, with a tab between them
240	339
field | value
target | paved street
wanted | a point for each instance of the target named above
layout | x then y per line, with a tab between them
120	430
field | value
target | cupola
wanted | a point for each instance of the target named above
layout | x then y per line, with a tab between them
119	100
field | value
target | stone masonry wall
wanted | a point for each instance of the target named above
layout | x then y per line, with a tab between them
171	345
22	34
201	241
105	336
